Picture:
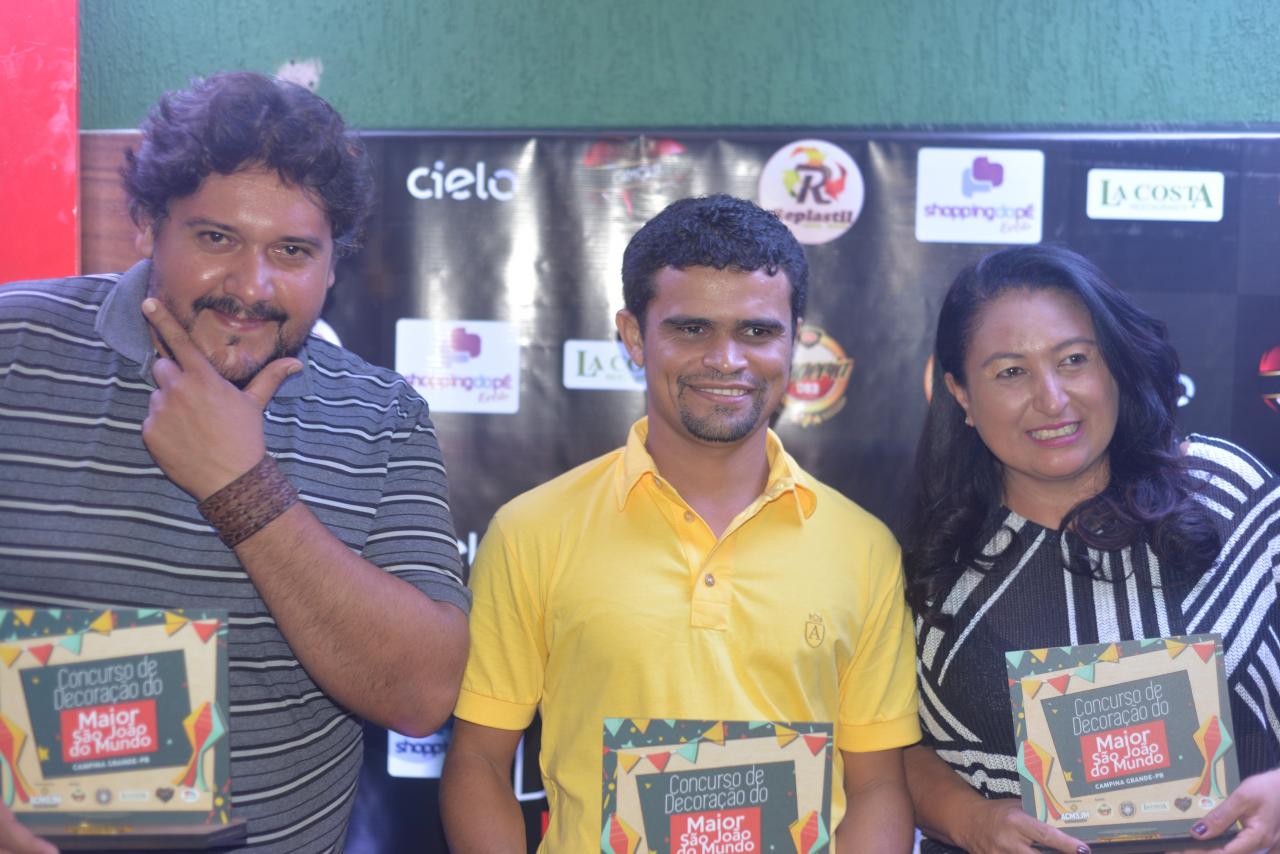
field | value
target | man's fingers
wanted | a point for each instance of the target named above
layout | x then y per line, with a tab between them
263	386
175	338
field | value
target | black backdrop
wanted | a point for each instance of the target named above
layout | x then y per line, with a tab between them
510	244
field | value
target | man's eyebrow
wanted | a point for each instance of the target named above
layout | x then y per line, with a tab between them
764	323
198	221
687	320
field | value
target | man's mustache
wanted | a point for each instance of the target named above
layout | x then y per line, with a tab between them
231	306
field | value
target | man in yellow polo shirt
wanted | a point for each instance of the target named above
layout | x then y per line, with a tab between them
718	643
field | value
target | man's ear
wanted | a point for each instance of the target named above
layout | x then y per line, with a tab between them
145	241
629	331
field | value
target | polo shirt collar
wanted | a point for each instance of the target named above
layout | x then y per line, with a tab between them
123	328
785	475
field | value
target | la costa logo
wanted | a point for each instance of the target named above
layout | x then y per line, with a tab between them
815	187
460	183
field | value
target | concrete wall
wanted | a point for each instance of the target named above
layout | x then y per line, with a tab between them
453	64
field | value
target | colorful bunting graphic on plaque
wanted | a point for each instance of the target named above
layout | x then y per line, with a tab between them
785	735
173	623
688	752
628	761
9	654
715	734
809	833
1035	763
1174	647
618	838
1039	654
41	652
1060	683
11	740
72	643
641	724
659	759
1205	650
815	743
205	629
611	724
1031	687
204	728
1111	654
1214	741
1085	672
24	615
1014	657
144	613
105	624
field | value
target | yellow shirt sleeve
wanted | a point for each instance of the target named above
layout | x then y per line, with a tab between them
503	682
878	698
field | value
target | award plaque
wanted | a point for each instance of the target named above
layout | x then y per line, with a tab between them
113	727
706	787
1126	745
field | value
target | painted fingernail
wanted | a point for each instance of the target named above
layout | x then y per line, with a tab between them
148	305
1082	849
1200	828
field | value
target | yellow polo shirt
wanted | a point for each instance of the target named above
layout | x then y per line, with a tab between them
602	594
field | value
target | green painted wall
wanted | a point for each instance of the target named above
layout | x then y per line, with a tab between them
450	64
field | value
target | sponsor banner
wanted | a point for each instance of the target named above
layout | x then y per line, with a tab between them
595	364
820	373
1150	194
441	182
421	758
975	195
815	187
461	365
547	260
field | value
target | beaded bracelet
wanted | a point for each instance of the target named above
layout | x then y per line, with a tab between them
245	506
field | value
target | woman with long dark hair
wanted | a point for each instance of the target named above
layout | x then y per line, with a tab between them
1054	503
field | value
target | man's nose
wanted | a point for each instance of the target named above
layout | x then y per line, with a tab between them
725	355
252	280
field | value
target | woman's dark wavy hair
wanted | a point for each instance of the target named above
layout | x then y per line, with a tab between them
234	120
712	231
957	481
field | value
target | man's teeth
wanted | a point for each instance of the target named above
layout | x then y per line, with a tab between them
725	392
1065	430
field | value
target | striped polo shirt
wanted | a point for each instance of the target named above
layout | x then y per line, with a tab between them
87	519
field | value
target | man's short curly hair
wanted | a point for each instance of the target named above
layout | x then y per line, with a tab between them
717	231
237	120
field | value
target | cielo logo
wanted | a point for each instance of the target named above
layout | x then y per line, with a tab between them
815	187
461	183
820	373
967	195
1159	195
461	365
600	364
1269	376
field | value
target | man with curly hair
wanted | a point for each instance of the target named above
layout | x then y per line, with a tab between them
173	438
696	574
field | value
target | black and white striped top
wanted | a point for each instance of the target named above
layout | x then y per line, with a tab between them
87	519
1036	602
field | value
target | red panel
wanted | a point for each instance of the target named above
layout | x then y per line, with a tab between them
39	152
